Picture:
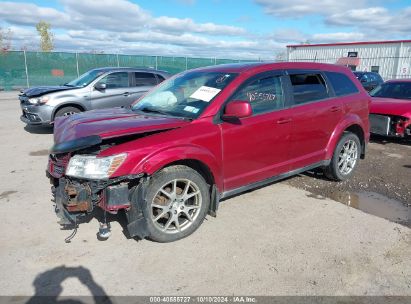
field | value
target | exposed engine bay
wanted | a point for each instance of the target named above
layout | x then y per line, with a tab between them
395	126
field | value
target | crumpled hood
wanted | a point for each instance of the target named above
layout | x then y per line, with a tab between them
38	91
109	123
390	106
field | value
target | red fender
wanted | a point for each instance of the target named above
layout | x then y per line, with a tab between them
348	121
159	159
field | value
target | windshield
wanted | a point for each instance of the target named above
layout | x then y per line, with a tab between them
85	79
358	75
186	95
399	90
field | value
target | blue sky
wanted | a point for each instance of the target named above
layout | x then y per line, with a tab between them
204	28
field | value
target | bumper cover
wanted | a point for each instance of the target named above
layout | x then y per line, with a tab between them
36	115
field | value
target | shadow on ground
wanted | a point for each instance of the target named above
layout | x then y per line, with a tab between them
383	140
39	129
48	286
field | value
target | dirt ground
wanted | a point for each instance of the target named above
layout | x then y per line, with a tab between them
383	176
277	240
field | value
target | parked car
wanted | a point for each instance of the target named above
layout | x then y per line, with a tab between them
96	89
205	135
390	110
369	80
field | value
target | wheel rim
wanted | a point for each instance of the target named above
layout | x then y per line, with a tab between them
348	157
176	206
69	113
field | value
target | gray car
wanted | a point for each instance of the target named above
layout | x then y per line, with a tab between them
96	89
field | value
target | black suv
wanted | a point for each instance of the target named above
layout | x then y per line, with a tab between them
369	80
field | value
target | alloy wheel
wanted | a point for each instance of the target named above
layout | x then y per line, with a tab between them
176	206
348	157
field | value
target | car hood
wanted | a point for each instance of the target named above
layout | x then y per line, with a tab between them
390	106
110	123
38	91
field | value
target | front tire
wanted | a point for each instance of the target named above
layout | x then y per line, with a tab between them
66	111
177	199
345	158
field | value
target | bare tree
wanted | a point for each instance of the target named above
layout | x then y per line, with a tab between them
46	36
5	39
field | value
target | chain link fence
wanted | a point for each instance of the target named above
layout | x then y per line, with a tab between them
21	69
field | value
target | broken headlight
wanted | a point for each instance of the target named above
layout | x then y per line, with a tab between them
92	167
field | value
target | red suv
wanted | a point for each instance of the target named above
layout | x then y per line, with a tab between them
204	135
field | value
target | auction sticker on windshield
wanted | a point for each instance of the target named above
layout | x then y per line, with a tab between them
205	93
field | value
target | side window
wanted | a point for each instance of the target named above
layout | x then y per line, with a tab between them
341	83
264	94
116	80
308	87
145	79
160	78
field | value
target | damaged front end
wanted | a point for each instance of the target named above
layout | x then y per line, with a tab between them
76	197
390	125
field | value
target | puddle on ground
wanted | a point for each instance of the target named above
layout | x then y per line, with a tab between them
374	203
39	153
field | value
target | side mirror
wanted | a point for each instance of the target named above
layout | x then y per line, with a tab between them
363	80
100	86
237	109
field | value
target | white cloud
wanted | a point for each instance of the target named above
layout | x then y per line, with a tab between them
30	14
169	24
298	8
374	19
336	37
122	26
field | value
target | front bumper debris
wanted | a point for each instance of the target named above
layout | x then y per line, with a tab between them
76	199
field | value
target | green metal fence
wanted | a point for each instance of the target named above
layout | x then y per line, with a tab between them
21	69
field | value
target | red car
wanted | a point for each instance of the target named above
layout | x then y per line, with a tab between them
390	110
205	135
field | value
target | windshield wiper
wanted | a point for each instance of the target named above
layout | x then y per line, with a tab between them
153	110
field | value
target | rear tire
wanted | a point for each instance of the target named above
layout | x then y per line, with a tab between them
178	199
345	158
66	111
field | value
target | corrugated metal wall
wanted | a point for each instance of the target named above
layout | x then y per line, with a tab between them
393	59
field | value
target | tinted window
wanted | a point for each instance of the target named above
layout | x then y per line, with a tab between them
145	79
116	80
160	78
341	83
400	90
264	94
308	87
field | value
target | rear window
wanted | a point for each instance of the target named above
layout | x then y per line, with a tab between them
308	88
341	83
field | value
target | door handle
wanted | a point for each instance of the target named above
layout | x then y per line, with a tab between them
126	94
283	121
335	109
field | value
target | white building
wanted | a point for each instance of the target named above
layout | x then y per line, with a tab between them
391	59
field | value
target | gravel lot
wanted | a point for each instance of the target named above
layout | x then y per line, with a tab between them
381	185
278	240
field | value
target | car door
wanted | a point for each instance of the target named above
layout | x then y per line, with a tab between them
115	94
315	113
257	147
142	82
